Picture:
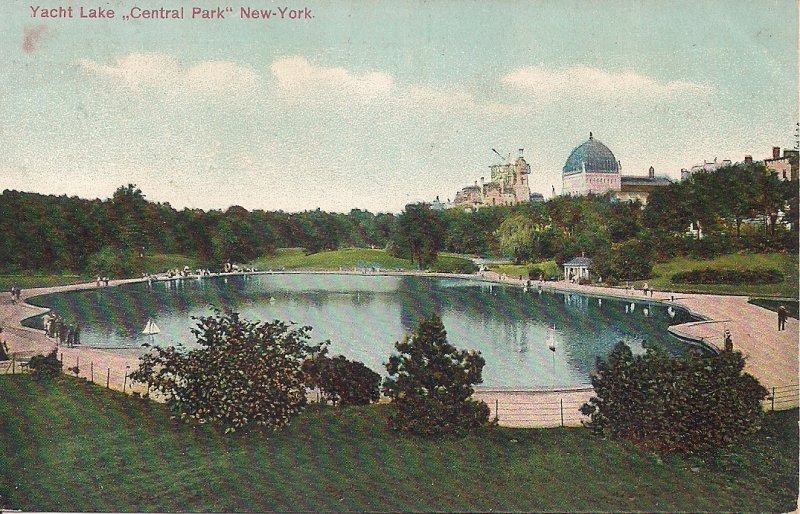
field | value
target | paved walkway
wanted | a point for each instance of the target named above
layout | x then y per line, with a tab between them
772	356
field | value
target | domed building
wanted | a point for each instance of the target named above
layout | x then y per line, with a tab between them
591	168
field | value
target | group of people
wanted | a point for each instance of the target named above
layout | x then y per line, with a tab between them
15	293
64	333
102	281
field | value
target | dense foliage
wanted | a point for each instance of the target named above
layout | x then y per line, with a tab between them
58	233
671	404
244	373
341	381
419	235
728	276
430	384
740	207
45	366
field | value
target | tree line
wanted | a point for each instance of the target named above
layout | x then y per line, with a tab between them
740	207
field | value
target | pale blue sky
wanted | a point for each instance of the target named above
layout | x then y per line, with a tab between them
373	104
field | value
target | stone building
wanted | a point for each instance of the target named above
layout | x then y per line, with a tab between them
784	166
508	185
591	168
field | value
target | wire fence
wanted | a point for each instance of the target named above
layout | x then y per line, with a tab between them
538	412
116	377
782	397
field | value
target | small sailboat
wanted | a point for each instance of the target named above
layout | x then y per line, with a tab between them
551	339
151	328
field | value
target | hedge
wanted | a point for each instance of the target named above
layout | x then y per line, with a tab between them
728	276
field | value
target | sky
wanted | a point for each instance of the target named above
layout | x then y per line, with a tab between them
375	104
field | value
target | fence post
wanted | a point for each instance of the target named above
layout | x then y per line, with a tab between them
77	365
561	401
62	362
108	379
125	380
14	363
496	410
91	370
773	398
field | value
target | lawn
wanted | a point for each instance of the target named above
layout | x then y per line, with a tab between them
516	270
349	258
77	447
29	281
786	263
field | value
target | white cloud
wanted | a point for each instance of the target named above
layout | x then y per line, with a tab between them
299	79
589	82
140	71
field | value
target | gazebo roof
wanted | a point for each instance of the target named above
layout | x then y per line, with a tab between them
579	262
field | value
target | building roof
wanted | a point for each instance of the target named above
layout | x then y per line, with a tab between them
593	156
633	180
579	261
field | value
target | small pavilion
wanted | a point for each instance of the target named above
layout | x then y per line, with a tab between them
577	268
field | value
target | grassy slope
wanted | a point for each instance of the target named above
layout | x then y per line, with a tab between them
26	281
348	258
83	448
787	263
515	270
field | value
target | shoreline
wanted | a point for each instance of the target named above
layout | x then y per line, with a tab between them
773	360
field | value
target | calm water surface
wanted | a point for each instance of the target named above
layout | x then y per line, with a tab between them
364	316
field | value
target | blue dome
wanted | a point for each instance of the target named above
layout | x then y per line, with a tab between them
594	155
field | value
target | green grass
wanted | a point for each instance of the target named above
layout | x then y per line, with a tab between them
515	270
161	262
29	280
348	258
70	446
786	263
792	306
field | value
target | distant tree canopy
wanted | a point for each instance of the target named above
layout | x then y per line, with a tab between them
740	207
419	235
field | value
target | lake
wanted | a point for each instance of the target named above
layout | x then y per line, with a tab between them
363	317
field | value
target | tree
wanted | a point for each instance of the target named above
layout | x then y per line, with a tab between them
342	381
244	373
674	404
420	232
517	235
430	384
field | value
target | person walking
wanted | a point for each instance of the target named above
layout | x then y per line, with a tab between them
782	314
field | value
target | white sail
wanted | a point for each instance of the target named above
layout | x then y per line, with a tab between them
551	340
151	328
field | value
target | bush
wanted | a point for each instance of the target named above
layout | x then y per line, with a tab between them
675	405
545	272
342	381
45	367
430	385
728	276
245	373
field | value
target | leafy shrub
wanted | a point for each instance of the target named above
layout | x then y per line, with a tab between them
45	367
245	373
342	381
3	350
728	276
670	404
430	385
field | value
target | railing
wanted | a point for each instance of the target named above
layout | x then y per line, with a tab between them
782	397
549	412
112	378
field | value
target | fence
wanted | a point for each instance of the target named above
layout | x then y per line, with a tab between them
111	377
782	397
545	412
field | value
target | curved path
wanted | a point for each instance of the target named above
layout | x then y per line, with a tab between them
772	356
